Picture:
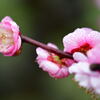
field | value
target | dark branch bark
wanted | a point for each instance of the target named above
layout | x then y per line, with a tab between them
44	46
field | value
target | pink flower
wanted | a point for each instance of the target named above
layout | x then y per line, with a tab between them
85	77
97	2
80	42
52	63
10	40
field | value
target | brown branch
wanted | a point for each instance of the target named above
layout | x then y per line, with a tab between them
95	67
44	46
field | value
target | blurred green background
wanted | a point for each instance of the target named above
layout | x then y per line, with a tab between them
46	21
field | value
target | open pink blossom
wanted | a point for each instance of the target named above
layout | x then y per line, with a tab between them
80	42
85	77
52	63
10	41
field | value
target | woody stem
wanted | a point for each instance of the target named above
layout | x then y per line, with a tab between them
31	41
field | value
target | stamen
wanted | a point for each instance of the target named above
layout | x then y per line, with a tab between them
84	48
56	59
3	36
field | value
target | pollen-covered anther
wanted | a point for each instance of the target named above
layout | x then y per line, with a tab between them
3	36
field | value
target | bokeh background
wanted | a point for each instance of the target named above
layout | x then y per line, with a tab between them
46	21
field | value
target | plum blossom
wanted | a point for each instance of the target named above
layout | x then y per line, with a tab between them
55	66
80	42
84	44
85	77
10	40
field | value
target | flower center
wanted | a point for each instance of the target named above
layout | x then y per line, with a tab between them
83	49
6	39
56	59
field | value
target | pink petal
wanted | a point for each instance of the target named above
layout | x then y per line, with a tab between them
79	57
49	67
42	53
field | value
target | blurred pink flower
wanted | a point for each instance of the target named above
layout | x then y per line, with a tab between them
80	42
97	2
85	77
51	63
10	41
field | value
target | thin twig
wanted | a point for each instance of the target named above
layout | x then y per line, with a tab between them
62	54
